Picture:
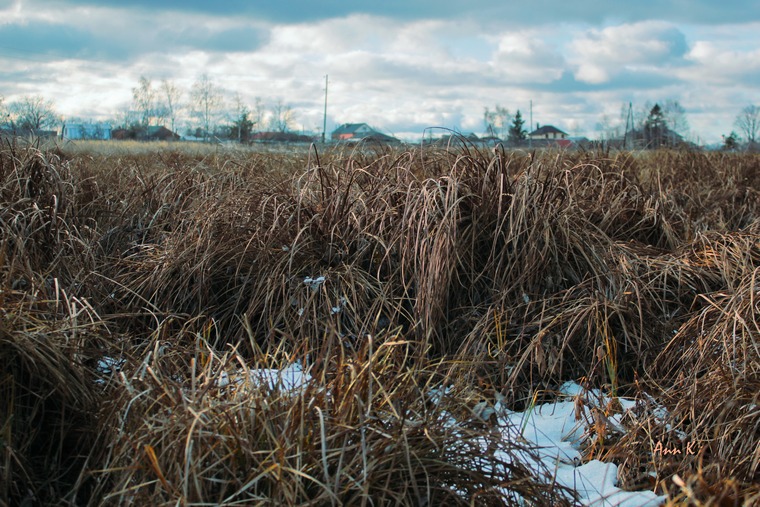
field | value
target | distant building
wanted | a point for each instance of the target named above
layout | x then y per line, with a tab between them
76	131
547	132
351	131
360	131
159	133
457	138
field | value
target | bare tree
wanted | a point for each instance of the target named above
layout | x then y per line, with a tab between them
4	114
171	96
497	121
609	127
282	117
143	98
257	113
748	122
206	99
641	114
33	112
675	117
126	117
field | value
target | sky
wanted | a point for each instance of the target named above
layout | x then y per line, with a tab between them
402	66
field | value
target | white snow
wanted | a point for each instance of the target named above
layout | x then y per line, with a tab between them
288	379
314	283
106	367
557	432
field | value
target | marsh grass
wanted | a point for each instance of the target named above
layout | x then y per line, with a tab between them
386	274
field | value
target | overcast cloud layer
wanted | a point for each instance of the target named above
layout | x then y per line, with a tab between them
397	66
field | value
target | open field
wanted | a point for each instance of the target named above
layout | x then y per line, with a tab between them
140	287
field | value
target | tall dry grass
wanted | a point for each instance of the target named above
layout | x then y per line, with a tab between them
498	274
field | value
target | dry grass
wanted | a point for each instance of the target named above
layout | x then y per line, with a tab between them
498	274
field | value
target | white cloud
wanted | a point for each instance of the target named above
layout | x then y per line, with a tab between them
523	57
722	66
402	72
600	54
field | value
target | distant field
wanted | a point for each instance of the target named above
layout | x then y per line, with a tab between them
139	281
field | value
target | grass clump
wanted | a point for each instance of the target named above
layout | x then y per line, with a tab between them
385	275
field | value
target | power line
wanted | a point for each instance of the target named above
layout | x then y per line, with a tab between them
324	118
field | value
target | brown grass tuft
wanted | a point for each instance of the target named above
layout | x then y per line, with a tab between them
386	274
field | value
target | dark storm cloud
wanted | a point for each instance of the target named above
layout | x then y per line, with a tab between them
509	12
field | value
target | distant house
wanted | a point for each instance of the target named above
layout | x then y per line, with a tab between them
75	131
360	131
159	133
547	132
351	131
490	140
122	134
652	138
452	139
138	133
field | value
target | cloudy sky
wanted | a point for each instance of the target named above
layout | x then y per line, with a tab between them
399	65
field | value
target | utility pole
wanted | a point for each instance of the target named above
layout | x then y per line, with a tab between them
628	121
324	118
531	115
530	139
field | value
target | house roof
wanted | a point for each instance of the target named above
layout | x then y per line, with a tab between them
383	138
547	129
350	128
361	131
157	130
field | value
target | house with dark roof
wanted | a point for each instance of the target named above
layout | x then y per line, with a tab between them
160	133
547	132
358	132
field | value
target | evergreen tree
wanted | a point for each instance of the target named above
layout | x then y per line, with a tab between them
516	130
242	127
731	142
655	127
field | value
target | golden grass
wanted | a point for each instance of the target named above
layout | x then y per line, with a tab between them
498	274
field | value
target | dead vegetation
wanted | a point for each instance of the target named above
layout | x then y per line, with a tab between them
386	275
